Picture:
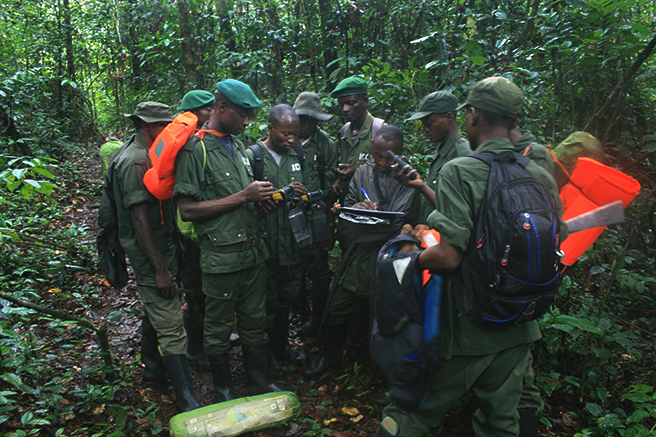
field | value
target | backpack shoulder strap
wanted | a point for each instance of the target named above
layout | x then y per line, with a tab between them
300	155
258	165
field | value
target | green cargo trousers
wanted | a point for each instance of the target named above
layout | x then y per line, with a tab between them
496	380
234	296
166	317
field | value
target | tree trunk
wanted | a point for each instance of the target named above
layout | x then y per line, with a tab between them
68	37
327	13
194	78
642	57
8	129
228	36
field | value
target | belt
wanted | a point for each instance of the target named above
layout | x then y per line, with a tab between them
242	246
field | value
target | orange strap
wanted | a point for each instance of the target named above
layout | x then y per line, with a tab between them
526	150
201	133
161	213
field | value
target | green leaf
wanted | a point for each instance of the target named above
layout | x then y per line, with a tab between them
595	270
43	172
637	416
580	323
33	183
594	409
115	316
477	59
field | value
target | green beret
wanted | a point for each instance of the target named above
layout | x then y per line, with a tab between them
238	93
196	99
439	102
349	86
497	95
152	112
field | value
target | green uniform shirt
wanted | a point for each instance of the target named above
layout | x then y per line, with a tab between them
461	188
129	190
215	174
320	147
455	146
356	152
357	272
279	239
537	152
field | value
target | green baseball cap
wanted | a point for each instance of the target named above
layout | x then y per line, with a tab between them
238	93
497	95
308	103
152	112
349	86
196	99
439	102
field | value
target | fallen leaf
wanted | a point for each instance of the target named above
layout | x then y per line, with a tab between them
356	419
54	290
99	410
329	421
166	399
70	416
351	411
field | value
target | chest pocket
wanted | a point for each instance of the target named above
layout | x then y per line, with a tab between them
295	174
222	183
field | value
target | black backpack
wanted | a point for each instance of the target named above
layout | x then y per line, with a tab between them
512	268
110	252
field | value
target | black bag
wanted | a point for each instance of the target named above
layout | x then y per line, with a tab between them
512	268
398	345
110	252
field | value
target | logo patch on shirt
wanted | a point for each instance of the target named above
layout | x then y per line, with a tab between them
247	163
296	167
364	157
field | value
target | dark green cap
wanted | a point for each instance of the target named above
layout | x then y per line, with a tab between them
578	145
238	93
152	112
497	95
196	99
439	102
308	103
349	86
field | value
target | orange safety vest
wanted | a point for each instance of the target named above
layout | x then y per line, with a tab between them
160	178
591	185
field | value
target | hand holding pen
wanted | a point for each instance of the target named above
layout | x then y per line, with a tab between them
367	203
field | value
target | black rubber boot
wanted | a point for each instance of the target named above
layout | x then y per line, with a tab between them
257	366
382	432
528	422
181	381
221	378
195	350
275	367
279	338
320	289
150	357
334	338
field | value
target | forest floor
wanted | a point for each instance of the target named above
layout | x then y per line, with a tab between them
337	404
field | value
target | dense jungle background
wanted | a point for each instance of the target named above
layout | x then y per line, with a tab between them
71	69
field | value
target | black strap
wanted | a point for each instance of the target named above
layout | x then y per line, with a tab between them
258	165
383	202
489	157
321	159
300	155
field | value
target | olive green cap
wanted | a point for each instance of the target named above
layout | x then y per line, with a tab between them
152	112
349	86
439	102
308	103
578	145
497	95
238	93
196	99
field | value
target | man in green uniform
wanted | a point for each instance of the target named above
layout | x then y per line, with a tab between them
201	104
372	188
215	189
356	136
489	360
525	144
321	157
282	166
437	112
146	230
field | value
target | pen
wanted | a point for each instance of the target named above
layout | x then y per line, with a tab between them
365	194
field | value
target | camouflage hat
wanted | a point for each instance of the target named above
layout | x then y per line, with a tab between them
196	99
349	86
238	93
578	145
439	102
497	95
308	103
152	112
